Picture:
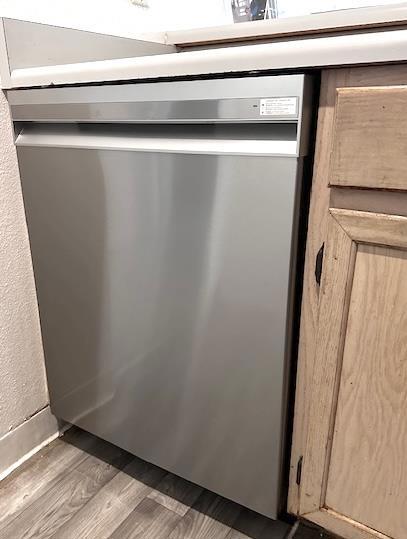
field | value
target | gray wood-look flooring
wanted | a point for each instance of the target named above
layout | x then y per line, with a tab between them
80	487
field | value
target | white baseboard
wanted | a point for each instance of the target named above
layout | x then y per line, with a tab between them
24	441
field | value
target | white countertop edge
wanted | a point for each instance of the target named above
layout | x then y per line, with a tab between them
349	49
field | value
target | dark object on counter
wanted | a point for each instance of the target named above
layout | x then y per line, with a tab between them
257	9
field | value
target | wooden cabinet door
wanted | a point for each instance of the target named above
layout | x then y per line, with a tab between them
354	467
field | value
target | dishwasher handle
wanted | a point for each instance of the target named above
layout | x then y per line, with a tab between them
125	139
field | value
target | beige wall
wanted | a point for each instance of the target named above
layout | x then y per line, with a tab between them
25	420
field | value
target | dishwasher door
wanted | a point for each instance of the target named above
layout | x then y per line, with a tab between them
163	265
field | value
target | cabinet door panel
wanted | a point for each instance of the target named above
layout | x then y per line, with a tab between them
367	476
369	142
355	463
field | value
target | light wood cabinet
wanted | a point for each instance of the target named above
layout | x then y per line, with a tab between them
349	455
354	479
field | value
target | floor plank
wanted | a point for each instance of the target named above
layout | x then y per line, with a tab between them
250	525
176	494
312	532
43	517
211	517
149	520
113	503
81	487
40	473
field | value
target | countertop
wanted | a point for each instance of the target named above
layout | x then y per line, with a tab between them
351	37
316	23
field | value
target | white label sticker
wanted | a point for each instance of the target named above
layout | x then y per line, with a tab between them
279	106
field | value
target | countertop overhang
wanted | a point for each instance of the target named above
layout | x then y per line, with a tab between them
350	49
29	56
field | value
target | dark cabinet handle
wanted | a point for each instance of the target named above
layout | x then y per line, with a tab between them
318	264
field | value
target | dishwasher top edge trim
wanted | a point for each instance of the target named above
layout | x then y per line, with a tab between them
192	90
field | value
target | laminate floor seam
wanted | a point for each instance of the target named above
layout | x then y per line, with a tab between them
146	497
91	498
53	484
85	504
176	515
73	469
106	487
75	460
163	506
70	496
106	493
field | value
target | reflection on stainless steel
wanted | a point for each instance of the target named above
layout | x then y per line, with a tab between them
188	101
163	282
239	110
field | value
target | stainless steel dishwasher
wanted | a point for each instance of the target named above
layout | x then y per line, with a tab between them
163	223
